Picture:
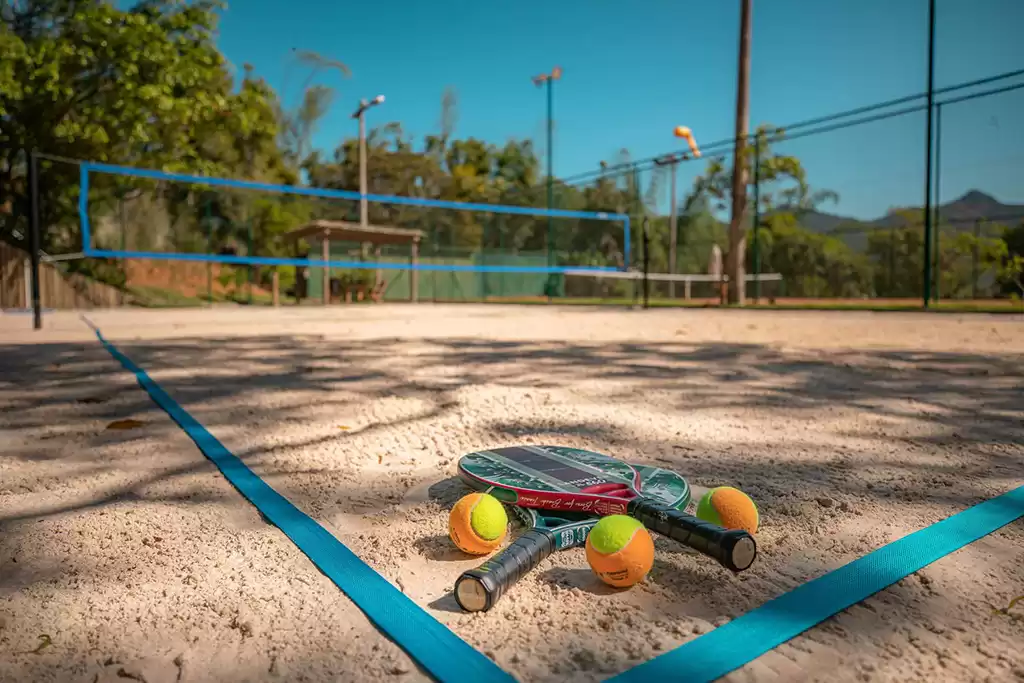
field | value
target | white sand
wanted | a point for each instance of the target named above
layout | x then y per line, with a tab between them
137	558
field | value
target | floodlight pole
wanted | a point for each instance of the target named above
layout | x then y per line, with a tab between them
360	114
548	80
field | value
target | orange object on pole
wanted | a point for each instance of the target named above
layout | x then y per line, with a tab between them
687	134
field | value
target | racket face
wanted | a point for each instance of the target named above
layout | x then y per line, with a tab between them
568	479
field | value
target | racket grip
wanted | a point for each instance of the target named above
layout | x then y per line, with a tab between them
478	589
733	548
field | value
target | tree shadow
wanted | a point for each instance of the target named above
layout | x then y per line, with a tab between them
934	434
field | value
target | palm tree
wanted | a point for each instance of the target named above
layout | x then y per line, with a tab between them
297	126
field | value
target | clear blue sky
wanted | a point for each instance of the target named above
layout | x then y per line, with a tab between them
634	70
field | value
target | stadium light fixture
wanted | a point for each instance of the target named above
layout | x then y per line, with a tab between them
364	218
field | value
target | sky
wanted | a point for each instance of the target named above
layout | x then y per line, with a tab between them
633	70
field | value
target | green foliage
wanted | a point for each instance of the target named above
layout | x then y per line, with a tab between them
1012	273
812	265
1011	269
782	178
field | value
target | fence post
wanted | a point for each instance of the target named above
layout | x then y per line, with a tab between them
34	238
927	275
974	259
647	263
937	212
757	217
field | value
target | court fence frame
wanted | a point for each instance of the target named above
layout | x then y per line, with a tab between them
934	102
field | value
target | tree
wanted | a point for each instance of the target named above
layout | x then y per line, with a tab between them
145	87
142	87
1011	269
812	263
783	182
297	126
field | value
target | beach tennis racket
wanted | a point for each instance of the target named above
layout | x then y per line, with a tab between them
478	589
573	480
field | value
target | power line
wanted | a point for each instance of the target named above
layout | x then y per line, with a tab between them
727	143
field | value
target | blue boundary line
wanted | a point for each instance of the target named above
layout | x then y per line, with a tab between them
747	637
88	250
437	649
348	194
369	265
705	658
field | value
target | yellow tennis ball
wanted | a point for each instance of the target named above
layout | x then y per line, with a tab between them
730	508
620	550
477	523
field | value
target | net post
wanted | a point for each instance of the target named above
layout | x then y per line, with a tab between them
83	208
34	237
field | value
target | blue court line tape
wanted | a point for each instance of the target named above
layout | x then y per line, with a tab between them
439	651
347	194
369	265
747	637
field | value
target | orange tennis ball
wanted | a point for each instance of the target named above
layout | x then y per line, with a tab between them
478	523
730	508
620	550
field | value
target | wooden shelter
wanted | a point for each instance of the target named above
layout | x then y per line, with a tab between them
376	235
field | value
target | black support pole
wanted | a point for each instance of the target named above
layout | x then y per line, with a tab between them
757	218
647	262
937	210
929	113
33	237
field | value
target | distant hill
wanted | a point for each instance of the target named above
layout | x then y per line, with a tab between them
960	213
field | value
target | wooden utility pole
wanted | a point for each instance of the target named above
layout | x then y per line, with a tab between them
737	242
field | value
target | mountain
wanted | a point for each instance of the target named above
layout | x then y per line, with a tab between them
960	213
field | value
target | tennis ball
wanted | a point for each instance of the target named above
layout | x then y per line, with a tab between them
730	508
620	550
477	523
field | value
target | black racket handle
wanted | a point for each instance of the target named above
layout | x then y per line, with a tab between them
734	548
478	589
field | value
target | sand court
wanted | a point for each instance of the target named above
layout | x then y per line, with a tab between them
134	556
